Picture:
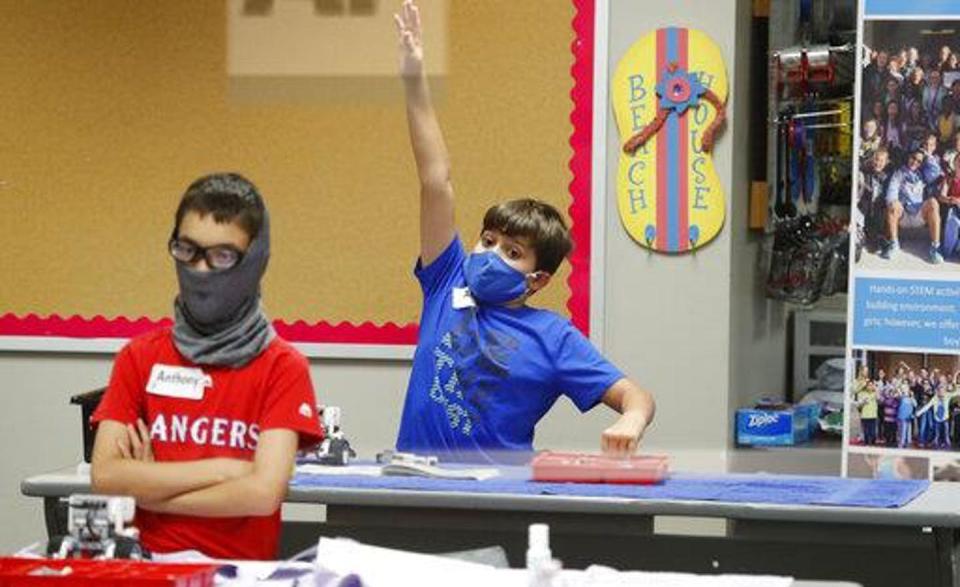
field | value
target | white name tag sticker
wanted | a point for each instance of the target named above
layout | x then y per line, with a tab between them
462	298
179	382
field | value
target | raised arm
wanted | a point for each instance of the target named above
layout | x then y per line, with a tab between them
429	149
123	465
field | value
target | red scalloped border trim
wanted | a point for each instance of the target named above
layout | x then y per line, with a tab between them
77	326
122	327
348	333
393	334
580	163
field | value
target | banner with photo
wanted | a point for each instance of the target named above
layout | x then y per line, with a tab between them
902	416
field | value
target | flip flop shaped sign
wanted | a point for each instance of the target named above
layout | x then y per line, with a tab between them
669	96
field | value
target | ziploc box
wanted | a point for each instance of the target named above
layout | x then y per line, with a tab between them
784	427
811	412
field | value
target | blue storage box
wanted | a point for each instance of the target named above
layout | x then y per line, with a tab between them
782	427
812	415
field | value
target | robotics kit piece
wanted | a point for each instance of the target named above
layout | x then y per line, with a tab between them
97	528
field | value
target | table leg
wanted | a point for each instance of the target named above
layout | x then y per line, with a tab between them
55	513
948	556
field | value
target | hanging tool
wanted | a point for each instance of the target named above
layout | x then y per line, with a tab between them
779	208
809	172
793	171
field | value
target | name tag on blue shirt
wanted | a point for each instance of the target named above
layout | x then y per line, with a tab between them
462	298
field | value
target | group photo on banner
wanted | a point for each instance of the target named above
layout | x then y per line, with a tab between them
903	377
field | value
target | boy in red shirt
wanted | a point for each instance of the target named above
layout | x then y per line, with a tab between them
202	420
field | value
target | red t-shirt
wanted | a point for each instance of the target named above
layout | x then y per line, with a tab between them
953	191
151	380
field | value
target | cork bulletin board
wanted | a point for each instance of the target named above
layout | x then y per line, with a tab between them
110	108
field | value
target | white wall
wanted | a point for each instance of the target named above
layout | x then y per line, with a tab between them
669	318
39	430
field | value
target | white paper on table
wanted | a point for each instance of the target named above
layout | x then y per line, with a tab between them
378	567
316	469
183	556
381	567
600	576
247	572
400	469
423	470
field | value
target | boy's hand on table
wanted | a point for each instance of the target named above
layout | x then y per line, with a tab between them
623	437
636	407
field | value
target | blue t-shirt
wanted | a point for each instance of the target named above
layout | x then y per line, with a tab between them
908	187
905	409
484	375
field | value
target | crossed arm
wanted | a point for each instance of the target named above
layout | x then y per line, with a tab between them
220	487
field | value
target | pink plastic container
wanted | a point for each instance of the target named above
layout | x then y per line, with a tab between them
593	468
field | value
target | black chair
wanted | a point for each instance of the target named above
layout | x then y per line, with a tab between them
88	402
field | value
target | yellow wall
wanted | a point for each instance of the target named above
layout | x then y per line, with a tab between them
109	108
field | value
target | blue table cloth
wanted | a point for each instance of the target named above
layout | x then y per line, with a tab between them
731	488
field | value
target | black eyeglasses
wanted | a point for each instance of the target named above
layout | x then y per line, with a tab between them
216	256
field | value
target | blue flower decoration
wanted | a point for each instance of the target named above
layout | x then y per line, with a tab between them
679	90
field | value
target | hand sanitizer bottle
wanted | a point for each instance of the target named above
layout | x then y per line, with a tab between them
542	569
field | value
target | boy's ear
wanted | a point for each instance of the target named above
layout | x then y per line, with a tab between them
538	280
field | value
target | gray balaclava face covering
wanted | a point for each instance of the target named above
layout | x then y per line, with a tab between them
218	319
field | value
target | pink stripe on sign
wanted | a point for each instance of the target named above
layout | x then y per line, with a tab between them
662	151
683	161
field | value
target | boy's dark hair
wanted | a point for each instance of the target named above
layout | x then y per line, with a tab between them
230	197
537	221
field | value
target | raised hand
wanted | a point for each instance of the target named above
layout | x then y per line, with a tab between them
411	39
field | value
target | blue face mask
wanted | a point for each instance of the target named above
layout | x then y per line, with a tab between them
491	280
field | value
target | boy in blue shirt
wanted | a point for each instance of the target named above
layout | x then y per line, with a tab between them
909	201
488	367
